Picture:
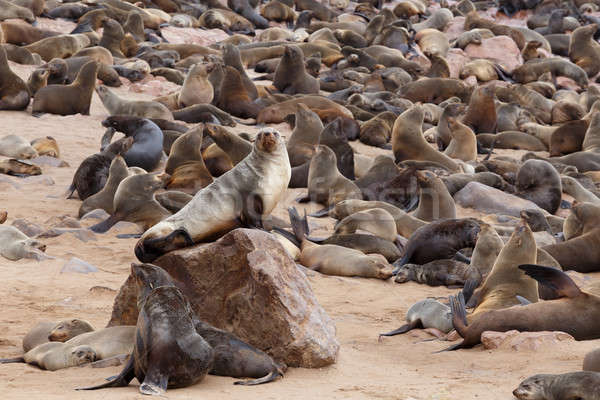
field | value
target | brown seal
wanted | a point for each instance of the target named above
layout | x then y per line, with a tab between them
234	98
305	136
196	89
330	259
186	165
539	182
14	92
532	71
112	35
291	76
574	313
569	137
233	58
375	220
319	104
137	108
572	385
435	90
435	201
584	50
463	145
438	273
278	12
61	331
105	197
134	201
46	146
233	145
377	131
481	112
259	181
168	352
37	80
408	142
62	46
70	99
10	10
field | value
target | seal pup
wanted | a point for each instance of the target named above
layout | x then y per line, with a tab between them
572	385
424	314
408	142
463	145
134	201
232	356
53	356
248	192
90	177
147	148
196	89
16	147
447	272
61	331
15	245
14	92
70	99
574	312
291	76
135	108
375	220
336	260
487	248
168	352
46	146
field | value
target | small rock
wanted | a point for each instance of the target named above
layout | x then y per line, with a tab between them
49	161
499	49
492	201
63	221
28	228
96	214
456	59
9	181
127	226
522	341
78	266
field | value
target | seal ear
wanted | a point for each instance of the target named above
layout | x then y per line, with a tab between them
552	278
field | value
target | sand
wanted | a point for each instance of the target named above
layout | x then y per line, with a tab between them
402	367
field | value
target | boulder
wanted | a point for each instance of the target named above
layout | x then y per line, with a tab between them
492	201
499	49
522	341
246	283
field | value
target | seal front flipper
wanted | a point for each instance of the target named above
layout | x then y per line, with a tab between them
552	278
150	249
155	383
299	224
121	380
252	212
104	226
272	376
324	212
469	288
12	360
404	328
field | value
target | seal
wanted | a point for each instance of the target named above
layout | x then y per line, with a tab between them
336	260
326	184
539	182
408	142
487	248
53	356
424	314
135	108
70	99
232	58
305	136
481	113
134	201
203	113
232	356
168	352
259	181
591	362
186	165
112	35
233	145
196	89
572	385
291	76
277	113
437	240
234	98
445	272
37	80
15	245
90	177
61	46
61	331
104	198
463	145
574	312
375	220
16	147
147	148
14	92
584	50
579	253
435	201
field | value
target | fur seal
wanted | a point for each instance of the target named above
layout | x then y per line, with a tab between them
573	313
438	273
70	99
134	201
258	181
104	198
233	145
487	248
61	331
531	71
61	46
145	109
92	173
291	76
428	313
278	112
481	113
186	165
377	131
573	188
232	58
330	259
572	385
14	92
463	145
408	142
305	136
16	147
112	35
375	220
15	245
167	352
196	89
203	113
435	201
147	148
539	182
53	356
13	11
37	80
584	50
234	98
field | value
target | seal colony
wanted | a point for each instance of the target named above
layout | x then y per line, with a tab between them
481	175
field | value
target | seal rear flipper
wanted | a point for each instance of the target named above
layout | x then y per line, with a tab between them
503	74
324	212
459	314
299	224
400	262
469	288
121	380
288	235
105	225
404	328
272	376
461	257
12	360
552	278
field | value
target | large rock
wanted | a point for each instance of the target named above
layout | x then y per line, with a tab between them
492	201
247	284
522	341
499	49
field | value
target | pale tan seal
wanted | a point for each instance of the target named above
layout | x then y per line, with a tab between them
15	245
463	145
14	92
16	147
305	136
572	385
52	331
435	201
137	108
375	220
196	89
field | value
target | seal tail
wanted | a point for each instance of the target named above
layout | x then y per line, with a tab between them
299	224
404	328
12	360
105	225
272	376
